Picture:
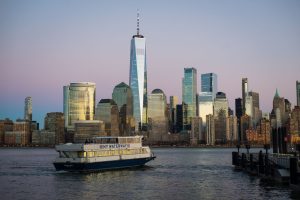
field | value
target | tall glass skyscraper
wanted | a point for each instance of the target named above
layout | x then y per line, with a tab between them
138	77
209	88
79	102
209	83
189	96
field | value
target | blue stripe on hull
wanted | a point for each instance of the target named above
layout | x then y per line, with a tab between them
82	167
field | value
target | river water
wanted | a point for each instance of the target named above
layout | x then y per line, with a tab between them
176	173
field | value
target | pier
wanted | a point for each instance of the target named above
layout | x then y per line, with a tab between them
283	168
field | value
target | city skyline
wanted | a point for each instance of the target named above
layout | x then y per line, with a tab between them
41	53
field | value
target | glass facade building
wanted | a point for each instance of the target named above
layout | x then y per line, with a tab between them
138	78
79	102
157	113
107	111
209	88
220	105
189	96
157	105
122	95
209	83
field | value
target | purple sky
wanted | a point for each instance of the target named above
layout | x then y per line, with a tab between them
45	45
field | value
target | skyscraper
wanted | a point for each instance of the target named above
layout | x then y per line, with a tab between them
54	121
244	93
157	105
238	108
220	115
189	96
249	106
221	105
279	109
298	92
257	113
79	102
138	76
209	83
173	110
157	113
122	95
107	111
28	109
255	98
239	114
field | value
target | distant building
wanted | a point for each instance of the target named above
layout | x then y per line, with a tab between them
43	137
195	134
209	88
264	131
189	96
279	109
220	126
298	92
255	98
231	129
20	135
245	125
238	108
179	118
172	113
138	77
249	106
288	106
122	95
157	113
244	93
294	122
54	122
79	102
5	125
157	104
216	126
239	114
28	109
210	130
221	104
256	112
107	111
88	129
261	135
209	84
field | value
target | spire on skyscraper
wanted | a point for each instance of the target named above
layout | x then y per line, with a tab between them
138	22
276	94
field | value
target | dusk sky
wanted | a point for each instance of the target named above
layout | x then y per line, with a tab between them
45	45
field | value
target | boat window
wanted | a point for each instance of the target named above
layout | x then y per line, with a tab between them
81	154
90	154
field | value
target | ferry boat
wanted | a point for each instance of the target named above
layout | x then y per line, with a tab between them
103	153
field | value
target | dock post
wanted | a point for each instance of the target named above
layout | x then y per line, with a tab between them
293	170
260	163
251	162
235	157
266	164
243	160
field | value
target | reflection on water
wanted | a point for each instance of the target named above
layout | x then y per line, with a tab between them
176	173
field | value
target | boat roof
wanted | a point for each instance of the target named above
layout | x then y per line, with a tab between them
112	137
